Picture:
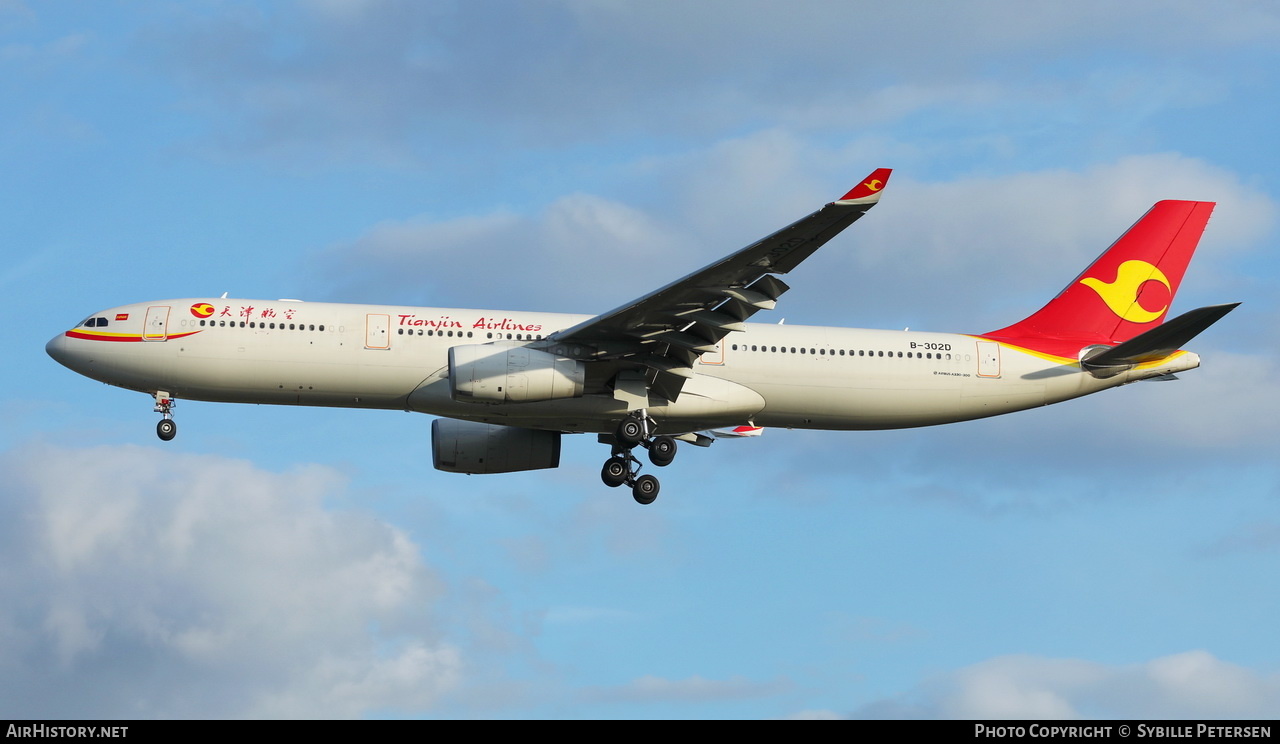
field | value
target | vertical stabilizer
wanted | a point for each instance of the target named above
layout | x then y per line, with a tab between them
1125	292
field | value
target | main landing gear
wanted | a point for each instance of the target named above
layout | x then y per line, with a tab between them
622	467
166	428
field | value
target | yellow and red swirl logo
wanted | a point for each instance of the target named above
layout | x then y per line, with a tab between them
202	309
1122	294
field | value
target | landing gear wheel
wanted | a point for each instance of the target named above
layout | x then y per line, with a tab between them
630	432
615	472
166	429
662	450
645	490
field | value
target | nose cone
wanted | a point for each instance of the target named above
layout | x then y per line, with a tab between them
57	348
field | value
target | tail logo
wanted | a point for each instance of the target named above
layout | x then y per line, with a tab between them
1121	295
874	184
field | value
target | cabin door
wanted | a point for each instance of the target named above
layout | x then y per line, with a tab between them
377	331
988	359
157	326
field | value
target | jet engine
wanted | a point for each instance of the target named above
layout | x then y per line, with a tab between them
468	447
487	373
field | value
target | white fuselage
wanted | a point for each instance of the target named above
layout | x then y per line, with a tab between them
374	356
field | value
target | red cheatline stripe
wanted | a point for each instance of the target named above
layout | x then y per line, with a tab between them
120	337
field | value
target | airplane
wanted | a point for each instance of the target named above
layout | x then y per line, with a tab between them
680	364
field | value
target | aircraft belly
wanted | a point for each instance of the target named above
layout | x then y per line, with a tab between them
886	397
134	366
857	406
290	374
705	402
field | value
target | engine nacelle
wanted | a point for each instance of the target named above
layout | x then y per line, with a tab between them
468	447
487	373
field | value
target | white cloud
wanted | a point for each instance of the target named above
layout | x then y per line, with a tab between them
14	13
651	689
1255	537
968	255
582	253
816	715
1189	685
373	78
984	251
158	585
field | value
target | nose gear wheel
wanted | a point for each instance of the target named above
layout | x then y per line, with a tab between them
166	428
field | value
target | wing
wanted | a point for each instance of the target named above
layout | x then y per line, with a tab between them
665	331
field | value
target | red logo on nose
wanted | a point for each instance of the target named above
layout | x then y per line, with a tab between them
202	309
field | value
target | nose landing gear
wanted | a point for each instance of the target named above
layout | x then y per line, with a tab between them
636	430
166	428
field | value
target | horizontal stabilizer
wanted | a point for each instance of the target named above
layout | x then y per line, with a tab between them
1155	344
695	438
746	430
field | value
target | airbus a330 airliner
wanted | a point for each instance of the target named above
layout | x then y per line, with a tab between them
678	364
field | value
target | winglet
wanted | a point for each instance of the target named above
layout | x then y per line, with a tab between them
868	190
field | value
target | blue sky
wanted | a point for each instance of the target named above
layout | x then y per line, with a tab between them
1113	556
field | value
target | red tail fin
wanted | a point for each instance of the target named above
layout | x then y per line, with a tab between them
1126	291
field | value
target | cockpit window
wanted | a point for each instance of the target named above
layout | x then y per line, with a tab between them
94	322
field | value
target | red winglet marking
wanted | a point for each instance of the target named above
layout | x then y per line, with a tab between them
870	185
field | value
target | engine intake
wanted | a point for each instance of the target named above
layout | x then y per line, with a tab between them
469	447
487	373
